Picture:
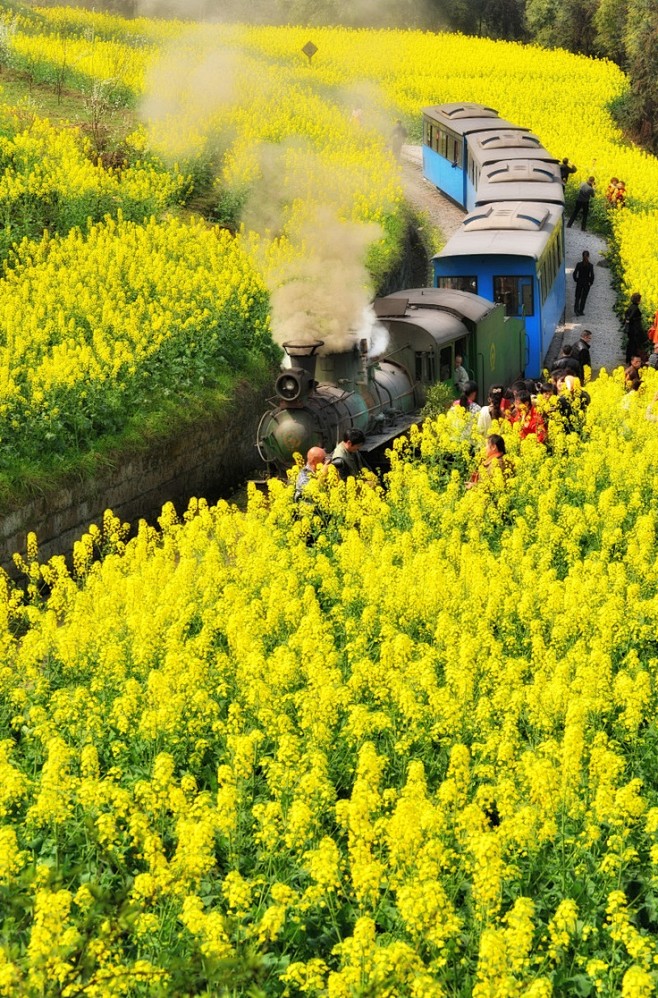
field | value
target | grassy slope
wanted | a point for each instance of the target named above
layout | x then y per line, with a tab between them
23	480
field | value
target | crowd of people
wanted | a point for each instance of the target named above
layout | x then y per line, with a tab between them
533	406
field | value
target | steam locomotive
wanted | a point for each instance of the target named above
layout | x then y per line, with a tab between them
320	396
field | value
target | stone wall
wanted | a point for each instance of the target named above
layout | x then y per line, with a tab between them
208	459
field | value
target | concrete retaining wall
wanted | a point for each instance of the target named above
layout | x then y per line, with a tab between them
209	459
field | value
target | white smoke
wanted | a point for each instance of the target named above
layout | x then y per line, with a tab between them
374	332
300	196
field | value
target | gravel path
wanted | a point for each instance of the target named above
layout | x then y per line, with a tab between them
599	315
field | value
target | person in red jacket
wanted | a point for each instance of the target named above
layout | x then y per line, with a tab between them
529	417
652	331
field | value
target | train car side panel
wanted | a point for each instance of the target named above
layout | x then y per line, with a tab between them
507	280
445	174
500	350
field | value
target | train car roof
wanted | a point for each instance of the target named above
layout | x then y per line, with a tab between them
493	146
521	171
462	109
466	118
504	229
512	190
420	304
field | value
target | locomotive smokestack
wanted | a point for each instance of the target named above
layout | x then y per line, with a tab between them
304	355
295	382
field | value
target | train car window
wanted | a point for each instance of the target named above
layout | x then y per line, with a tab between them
515	293
425	366
442	148
546	279
469	283
445	364
427	132
548	273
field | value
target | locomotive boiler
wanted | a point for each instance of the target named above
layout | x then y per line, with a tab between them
320	396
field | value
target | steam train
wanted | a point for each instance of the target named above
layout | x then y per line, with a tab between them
500	292
510	247
319	397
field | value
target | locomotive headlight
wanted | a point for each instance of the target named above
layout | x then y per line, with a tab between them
288	386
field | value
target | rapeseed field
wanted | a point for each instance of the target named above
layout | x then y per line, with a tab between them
398	742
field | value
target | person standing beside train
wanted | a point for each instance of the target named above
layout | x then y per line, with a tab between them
493	411
530	420
566	362
581	351
460	376
583	275
346	459
566	170
468	399
585	195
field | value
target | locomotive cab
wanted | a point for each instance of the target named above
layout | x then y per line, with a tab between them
433	325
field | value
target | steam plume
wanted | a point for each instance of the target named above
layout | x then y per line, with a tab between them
301	200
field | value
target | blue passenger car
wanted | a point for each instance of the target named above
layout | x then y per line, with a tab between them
446	129
500	145
512	253
518	180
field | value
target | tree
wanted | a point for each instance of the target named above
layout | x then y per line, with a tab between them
641	42
505	19
560	24
610	27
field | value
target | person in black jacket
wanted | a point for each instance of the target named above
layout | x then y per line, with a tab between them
567	363
583	275
580	351
566	170
585	194
634	328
